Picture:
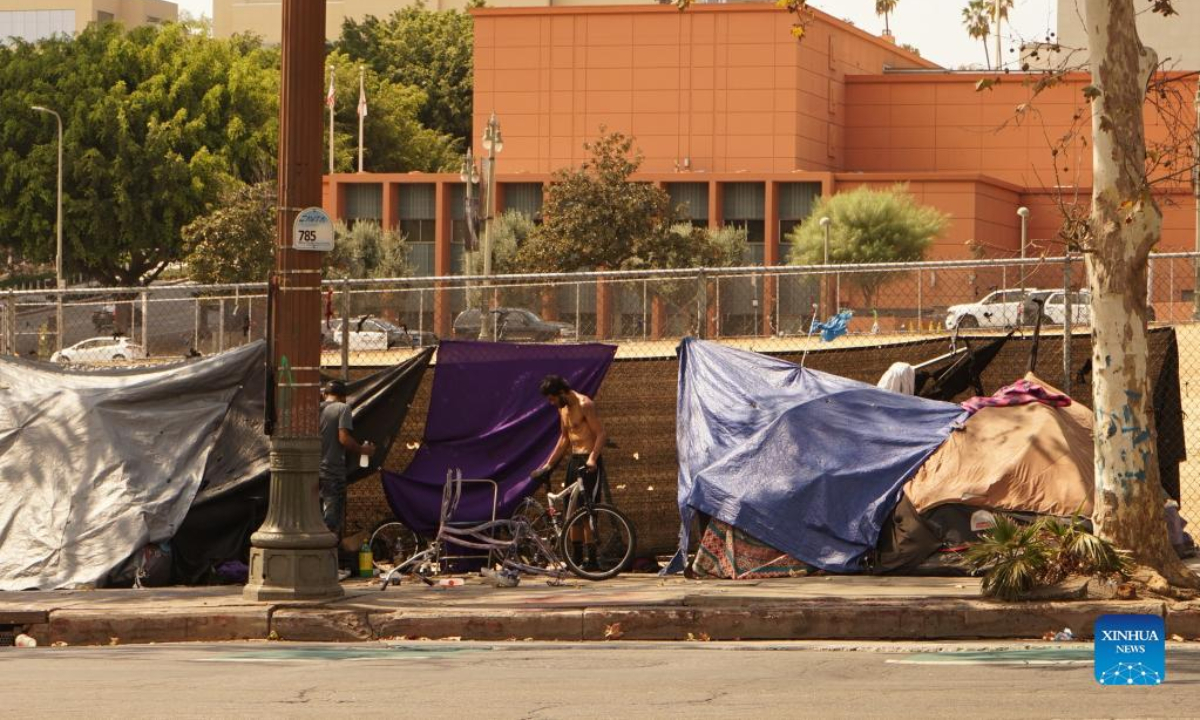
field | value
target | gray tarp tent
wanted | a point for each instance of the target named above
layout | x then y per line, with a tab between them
93	466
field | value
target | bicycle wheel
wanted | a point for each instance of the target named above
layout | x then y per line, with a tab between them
605	530
532	512
392	543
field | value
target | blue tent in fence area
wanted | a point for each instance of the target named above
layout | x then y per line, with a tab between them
808	463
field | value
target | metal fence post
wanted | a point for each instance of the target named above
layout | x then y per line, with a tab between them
1069	309
578	328
196	333
920	303
221	326
346	329
145	322
645	300
701	305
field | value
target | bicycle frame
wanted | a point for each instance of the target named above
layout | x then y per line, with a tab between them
480	537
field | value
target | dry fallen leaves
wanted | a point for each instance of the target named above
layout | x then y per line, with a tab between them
613	632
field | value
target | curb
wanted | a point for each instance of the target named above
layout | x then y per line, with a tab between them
809	619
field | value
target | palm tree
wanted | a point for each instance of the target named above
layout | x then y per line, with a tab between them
977	18
886	8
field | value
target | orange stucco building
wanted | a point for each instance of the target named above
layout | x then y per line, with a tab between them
747	126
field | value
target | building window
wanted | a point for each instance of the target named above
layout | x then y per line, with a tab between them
525	198
745	207
364	201
691	199
796	201
418	224
34	25
103	17
418	212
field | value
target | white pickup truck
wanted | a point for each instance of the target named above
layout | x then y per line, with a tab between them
1000	309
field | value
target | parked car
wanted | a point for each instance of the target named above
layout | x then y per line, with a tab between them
1055	312
101	349
1000	309
513	325
368	333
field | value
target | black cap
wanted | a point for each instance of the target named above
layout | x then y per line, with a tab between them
336	387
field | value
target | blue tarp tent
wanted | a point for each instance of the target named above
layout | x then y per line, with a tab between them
806	462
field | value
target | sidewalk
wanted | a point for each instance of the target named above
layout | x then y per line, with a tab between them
634	607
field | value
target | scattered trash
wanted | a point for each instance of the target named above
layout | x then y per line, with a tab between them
273	636
114	641
234	572
450	582
613	632
650	488
637	456
24	641
506	578
1177	638
59	643
1063	636
1126	591
412	445
702	637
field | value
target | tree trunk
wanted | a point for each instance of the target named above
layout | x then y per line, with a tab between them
1125	224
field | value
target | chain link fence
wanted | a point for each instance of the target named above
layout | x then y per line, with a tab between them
900	312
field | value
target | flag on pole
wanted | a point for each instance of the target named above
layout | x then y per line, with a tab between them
362	97
331	96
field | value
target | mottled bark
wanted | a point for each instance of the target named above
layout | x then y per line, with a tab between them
1126	223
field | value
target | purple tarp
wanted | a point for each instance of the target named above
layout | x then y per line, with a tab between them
488	418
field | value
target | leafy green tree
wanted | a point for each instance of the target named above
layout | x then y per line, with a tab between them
430	50
234	243
367	251
394	138
511	230
157	121
867	226
595	217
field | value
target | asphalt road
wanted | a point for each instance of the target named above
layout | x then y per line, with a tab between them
611	680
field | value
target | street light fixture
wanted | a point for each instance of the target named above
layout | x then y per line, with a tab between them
58	257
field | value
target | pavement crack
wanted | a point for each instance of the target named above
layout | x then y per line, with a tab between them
301	697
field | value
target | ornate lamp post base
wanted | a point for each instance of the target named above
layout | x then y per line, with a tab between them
293	556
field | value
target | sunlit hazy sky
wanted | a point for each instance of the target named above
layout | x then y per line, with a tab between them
934	26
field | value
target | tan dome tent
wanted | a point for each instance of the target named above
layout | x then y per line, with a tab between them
1030	458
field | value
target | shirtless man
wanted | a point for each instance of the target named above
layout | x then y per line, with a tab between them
582	434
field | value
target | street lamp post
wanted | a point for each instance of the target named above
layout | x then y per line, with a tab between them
470	178
826	223
493	144
293	556
58	255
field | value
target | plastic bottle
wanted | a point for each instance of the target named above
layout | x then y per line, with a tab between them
364	460
366	560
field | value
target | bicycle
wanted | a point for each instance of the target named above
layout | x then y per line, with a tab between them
612	534
517	547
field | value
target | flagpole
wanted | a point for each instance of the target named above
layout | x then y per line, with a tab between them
362	98
330	102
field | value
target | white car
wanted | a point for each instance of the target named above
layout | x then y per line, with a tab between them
1001	309
99	350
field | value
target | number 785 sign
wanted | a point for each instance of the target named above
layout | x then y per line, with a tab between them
312	230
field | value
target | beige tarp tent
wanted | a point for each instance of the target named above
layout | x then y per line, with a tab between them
1024	458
